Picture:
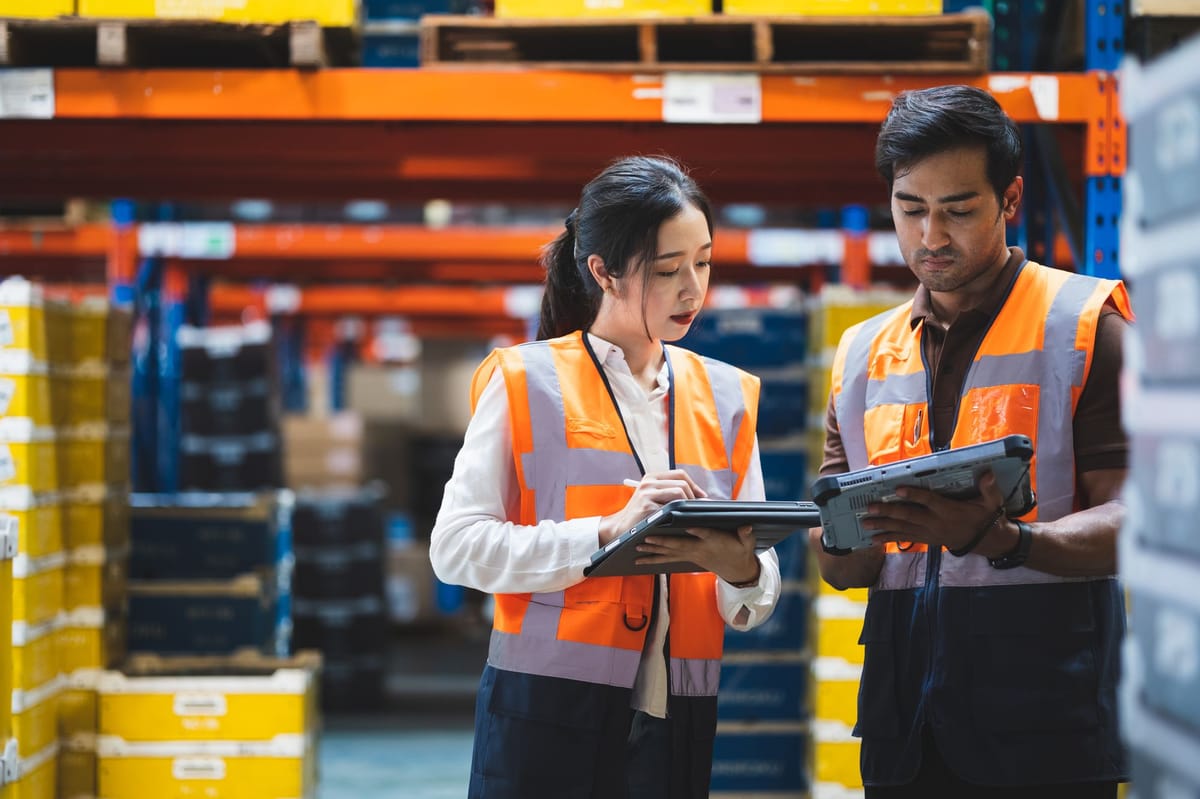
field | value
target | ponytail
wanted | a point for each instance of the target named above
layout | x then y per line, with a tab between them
572	297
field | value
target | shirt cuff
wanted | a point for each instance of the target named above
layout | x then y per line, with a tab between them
583	539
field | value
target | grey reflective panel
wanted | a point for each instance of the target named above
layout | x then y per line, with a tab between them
974	570
897	390
543	467
728	397
852	401
716	484
901	570
569	660
695	677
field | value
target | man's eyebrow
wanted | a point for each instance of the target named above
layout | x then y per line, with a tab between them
950	198
667	255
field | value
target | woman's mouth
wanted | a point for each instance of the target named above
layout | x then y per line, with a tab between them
683	318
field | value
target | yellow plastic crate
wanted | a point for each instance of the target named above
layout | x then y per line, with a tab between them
96	517
86	393
37	776
329	13
79	708
37	587
58	332
845	8
36	9
284	768
242	698
835	757
118	400
38	519
35	717
22	307
29	458
563	9
24	390
94	455
88	320
838	308
837	624
96	577
835	690
35	653
90	638
8	551
76	772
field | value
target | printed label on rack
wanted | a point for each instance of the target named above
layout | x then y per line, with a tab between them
198	768
795	247
712	99
7	389
209	240
200	704
6	329
8	467
27	94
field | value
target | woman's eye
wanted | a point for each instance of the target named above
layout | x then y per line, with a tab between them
703	264
669	274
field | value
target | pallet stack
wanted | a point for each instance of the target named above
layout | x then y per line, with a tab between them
762	708
1159	551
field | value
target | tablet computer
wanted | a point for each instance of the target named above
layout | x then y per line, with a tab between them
772	522
955	473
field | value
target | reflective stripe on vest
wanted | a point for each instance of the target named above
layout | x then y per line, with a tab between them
571	456
1026	378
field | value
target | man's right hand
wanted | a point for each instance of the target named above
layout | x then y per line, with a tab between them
654	491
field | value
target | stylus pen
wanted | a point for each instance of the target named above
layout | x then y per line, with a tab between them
631	482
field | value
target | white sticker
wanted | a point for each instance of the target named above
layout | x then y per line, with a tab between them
198	768
283	298
8	467
795	247
712	99
7	389
200	704
6	329
201	240
1044	89
27	94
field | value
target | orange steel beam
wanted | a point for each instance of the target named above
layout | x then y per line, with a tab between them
337	300
514	95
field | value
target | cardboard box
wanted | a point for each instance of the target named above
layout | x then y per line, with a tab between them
410	585
323	452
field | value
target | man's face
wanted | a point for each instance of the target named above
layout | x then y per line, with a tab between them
949	221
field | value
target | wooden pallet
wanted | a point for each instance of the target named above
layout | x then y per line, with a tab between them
949	43
86	42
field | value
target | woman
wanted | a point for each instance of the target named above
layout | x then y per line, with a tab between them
606	687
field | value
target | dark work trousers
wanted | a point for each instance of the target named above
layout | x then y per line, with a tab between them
545	737
935	780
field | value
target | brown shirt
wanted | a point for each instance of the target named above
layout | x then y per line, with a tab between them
1100	441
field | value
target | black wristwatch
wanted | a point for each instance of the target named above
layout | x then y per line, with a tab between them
1017	555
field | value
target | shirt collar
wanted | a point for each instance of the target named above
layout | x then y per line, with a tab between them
613	357
922	306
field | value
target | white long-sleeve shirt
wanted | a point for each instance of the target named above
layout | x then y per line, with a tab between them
473	543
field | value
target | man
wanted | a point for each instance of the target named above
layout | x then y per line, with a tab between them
991	644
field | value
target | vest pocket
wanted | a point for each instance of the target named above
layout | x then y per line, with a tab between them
1032	651
878	708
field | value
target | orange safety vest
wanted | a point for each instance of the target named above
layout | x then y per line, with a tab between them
571	455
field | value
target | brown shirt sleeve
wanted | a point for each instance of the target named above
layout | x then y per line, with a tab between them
1100	440
834	455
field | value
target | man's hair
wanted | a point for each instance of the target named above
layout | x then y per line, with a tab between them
929	121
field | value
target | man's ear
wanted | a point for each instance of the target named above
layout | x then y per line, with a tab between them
1011	200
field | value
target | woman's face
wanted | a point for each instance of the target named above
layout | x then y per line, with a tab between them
678	280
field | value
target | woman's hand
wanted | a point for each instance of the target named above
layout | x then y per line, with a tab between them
731	556
654	491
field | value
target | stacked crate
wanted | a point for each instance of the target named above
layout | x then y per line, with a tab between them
327	13
1159	552
230	727
558	9
762	703
339	604
837	616
229	409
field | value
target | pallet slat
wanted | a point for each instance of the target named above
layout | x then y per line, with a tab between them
948	43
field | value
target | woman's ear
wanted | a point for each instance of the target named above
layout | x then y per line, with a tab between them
600	274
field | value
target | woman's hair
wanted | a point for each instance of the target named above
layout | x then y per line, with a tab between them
930	121
618	217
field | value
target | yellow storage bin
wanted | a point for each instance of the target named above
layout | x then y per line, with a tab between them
283	768
837	624
96	578
835	690
563	9
8	551
79	708
242	698
29	458
835	757
845	8
86	391
91	638
94	455
328	13
24	390
118	401
76	772
838	308
22	307
35	653
96	517
35	717
88	320
58	332
38	519
37	587
37	776
36	9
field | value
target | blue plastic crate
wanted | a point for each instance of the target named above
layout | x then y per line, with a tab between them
751	338
785	631
407	9
782	406
784	474
746	759
770	687
203	617
391	50
793	556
